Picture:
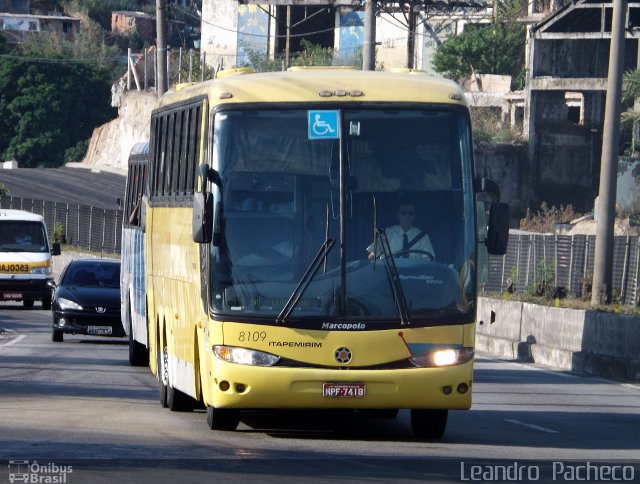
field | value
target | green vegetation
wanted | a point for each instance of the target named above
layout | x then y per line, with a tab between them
567	302
546	218
495	49
49	107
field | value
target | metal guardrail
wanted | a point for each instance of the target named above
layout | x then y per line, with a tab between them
92	228
563	263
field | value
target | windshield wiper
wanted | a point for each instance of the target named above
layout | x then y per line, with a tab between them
306	280
399	300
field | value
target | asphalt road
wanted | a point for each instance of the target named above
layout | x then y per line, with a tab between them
78	405
70	185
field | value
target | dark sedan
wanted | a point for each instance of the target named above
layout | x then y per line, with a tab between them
87	299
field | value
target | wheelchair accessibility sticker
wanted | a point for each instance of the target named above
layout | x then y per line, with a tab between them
323	124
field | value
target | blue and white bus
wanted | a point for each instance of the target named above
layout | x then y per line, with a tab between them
132	274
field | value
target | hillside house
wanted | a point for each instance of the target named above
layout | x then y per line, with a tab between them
16	27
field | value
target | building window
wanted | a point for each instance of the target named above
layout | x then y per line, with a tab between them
67	27
33	26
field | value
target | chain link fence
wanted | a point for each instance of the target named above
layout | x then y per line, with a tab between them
91	228
563	264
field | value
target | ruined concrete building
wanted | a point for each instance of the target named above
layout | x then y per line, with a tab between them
567	69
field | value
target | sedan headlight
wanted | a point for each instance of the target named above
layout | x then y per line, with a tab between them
443	357
244	356
41	270
68	304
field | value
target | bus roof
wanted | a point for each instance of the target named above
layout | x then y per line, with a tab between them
323	85
10	214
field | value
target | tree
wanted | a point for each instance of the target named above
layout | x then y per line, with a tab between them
48	107
497	48
630	118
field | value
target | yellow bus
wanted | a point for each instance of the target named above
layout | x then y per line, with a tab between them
273	277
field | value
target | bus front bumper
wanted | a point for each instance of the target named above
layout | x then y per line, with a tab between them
249	387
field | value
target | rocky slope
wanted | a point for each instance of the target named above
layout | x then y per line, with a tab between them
111	143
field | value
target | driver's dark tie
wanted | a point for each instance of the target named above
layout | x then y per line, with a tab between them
405	245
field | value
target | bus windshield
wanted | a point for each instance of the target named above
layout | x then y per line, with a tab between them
22	236
385	208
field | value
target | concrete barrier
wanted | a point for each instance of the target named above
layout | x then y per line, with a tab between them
586	342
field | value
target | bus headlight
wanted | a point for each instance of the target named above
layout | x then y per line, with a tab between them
443	357
244	356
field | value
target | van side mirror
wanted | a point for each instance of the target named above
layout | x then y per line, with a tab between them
55	248
498	229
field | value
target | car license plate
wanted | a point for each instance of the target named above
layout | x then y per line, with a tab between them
344	390
12	295
99	330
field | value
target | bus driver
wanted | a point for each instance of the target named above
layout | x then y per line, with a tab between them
405	240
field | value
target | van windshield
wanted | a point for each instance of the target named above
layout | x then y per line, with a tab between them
21	236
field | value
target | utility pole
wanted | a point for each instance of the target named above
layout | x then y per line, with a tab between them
369	47
161	48
603	264
411	39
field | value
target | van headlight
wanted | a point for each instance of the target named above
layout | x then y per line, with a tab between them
443	357
41	270
244	356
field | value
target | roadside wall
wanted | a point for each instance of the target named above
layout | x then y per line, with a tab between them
586	342
60	261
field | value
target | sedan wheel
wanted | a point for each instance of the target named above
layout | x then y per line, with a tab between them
57	336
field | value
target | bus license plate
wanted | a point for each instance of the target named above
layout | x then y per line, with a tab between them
99	330
12	295
344	390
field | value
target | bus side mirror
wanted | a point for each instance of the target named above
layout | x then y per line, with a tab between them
202	221
498	229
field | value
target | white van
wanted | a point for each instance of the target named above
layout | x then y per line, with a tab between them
25	258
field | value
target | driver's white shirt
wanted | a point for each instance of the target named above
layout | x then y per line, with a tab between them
394	235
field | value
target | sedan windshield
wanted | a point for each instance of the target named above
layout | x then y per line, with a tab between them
87	274
373	224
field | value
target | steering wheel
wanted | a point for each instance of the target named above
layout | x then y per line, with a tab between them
429	255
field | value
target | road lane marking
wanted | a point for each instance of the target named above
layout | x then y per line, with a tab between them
531	426
14	341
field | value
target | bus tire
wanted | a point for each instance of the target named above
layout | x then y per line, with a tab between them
178	401
27	303
163	375
138	353
429	423
222	418
57	336
46	303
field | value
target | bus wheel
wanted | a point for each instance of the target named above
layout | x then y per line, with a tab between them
163	375
46	303
178	401
27	303
138	353
57	336
429	423
222	418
